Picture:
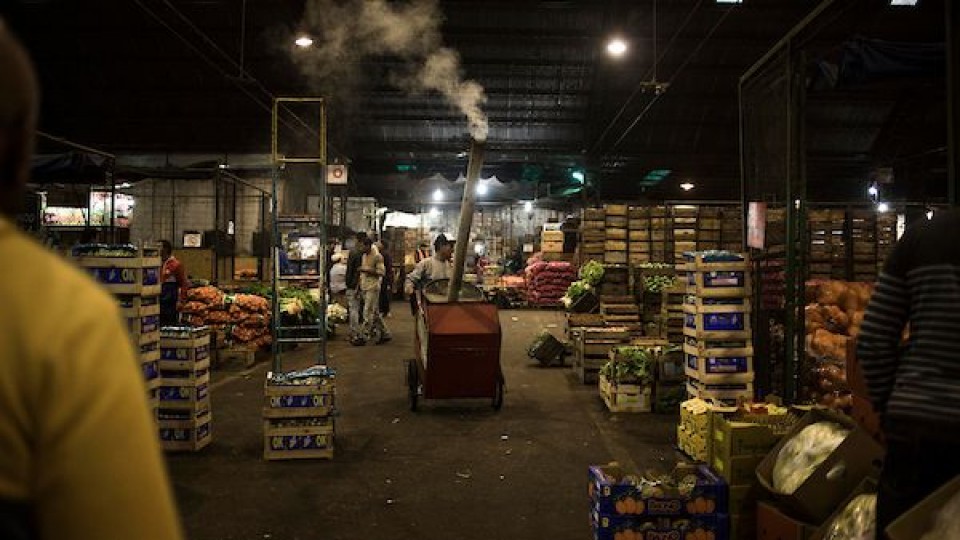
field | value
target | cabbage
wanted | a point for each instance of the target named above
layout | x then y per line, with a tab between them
591	272
804	452
857	521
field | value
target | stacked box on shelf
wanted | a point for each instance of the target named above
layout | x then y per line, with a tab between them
731	229
615	246
827	253
863	237
886	237
184	415
718	345
592	346
551	241
623	509
594	235
298	414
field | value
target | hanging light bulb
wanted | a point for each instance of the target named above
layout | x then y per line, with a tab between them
929	213
883	207
434	212
482	189
438	195
528	207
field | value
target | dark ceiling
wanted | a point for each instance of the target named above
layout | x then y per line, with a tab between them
165	76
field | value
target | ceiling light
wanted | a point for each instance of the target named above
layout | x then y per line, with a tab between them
903	2
304	42
930	213
883	207
528	206
873	190
578	176
616	47
434	212
482	189
729	1
461	155
687	186
125	185
438	195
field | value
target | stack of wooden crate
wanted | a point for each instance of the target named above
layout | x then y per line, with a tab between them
827	246
659	226
616	280
551	244
638	234
132	275
718	347
731	229
672	316
684	231
592	346
615	247
298	414
863	237
594	235
184	415
709	229
886	237
618	310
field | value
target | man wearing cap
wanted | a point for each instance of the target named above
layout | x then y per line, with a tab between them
440	266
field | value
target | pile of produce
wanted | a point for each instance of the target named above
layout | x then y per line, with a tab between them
804	452
336	313
548	282
833	316
590	275
105	250
857	521
659	277
243	319
632	364
312	376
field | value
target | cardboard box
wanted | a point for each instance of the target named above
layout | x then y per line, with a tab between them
551	247
185	435
712	527
868	486
920	519
736	469
551	236
857	457
609	495
773	524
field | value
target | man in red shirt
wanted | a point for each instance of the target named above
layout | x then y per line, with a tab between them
173	285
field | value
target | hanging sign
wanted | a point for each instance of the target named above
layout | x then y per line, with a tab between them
337	175
756	224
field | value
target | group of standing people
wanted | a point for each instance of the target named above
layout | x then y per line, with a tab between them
364	279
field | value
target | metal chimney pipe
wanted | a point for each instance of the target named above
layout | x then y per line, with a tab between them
466	219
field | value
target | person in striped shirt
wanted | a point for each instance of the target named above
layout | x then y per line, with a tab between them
915	386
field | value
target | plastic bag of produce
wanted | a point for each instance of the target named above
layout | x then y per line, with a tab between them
857	521
803	453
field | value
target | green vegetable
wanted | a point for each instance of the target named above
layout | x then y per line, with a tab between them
634	364
591	272
576	290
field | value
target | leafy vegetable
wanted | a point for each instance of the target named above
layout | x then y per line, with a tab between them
591	272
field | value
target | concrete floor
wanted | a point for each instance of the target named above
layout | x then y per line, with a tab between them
442	473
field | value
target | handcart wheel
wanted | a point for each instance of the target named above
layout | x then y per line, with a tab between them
413	382
498	394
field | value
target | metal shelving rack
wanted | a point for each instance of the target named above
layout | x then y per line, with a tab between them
281	333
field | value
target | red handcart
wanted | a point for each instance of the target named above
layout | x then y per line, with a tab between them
457	347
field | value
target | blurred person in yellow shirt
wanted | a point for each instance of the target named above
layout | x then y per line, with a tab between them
79	455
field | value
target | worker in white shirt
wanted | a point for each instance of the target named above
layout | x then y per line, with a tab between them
440	266
372	271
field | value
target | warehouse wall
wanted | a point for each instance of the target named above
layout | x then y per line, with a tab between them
166	208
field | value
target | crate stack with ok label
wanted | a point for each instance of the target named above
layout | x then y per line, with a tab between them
718	342
132	274
184	415
298	414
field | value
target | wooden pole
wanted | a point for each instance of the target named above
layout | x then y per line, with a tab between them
466	219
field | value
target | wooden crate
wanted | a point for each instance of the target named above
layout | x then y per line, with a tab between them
616	234
242	355
297	442
193	375
638	256
598	225
709	224
638	224
639	235
132	306
615	210
551	247
594	235
291	401
685	211
551	236
615	245
187	435
720	392
658	223
594	214
587	375
658	235
720	366
615	257
618	222
124	275
635	212
685	222
625	398
638	247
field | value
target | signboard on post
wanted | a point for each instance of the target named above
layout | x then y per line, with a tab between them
336	175
756	224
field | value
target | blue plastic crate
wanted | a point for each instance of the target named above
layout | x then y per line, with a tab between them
609	487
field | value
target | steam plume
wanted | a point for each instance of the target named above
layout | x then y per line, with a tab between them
346	32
